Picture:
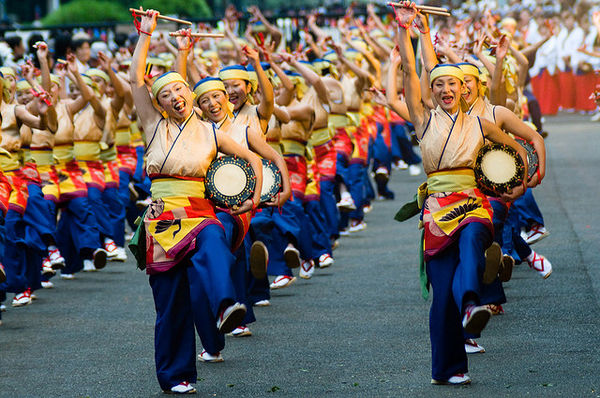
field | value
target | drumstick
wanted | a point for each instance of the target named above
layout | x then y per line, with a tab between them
426	9
201	35
159	16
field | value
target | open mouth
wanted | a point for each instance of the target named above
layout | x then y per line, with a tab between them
233	99
447	99
179	106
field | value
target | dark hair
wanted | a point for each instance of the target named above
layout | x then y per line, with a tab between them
62	43
13	41
75	44
34	38
121	39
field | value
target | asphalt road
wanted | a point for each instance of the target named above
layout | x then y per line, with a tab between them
357	329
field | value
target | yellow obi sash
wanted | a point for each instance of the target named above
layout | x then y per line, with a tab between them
335	120
455	180
164	187
63	153
320	136
10	162
173	220
291	147
42	156
123	137
109	154
354	118
86	150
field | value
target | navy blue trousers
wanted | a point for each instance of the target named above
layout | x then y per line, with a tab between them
275	230
240	267
190	295
329	208
115	215
77	234
455	276
321	244
527	209
100	212
14	256
401	145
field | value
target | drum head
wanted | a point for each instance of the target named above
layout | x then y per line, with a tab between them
229	181
271	184
498	166
498	169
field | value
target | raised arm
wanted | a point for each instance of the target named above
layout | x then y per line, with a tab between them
523	65
497	88
42	56
87	92
265	108
148	115
412	89
118	99
47	118
287	94
275	33
427	51
392	96
478	51
311	77
312	25
364	76
374	62
184	44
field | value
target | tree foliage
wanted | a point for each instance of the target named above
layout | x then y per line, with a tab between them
82	11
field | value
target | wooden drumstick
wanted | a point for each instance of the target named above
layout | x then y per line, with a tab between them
159	16
200	35
426	9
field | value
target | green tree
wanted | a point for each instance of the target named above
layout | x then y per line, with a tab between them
81	11
185	8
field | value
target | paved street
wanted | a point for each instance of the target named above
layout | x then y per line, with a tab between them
357	329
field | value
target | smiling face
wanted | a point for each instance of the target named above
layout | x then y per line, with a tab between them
471	89
101	83
447	92
176	99
238	90
214	105
24	97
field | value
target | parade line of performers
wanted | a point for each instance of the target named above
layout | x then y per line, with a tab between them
87	152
